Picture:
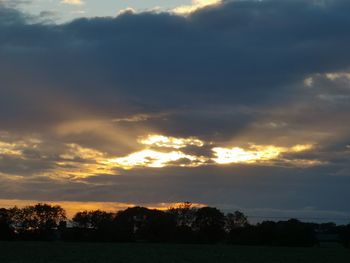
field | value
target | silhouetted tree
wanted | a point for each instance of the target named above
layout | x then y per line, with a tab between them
93	226
247	235
184	215
38	220
235	220
100	219
6	230
286	233
209	224
344	234
295	233
92	219
82	219
140	223
183	223
160	226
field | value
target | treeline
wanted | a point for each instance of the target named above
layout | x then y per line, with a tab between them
182	224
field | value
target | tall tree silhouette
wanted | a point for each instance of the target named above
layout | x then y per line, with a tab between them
38	220
94	226
184	215
6	230
235	220
92	219
140	223
209	224
183	223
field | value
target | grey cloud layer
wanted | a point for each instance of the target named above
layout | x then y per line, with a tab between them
239	53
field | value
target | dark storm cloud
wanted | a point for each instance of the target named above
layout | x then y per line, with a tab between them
10	16
238	53
242	52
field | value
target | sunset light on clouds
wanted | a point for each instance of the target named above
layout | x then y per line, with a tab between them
226	103
256	153
195	5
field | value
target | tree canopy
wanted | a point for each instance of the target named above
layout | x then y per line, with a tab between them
183	223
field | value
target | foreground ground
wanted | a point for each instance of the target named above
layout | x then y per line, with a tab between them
22	252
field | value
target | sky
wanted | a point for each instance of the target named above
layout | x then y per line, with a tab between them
243	105
61	11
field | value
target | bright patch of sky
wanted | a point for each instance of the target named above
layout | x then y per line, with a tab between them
66	10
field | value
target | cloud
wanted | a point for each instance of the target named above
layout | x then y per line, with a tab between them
72	2
14	3
266	155
170	142
128	10
70	161
157	159
196	4
230	75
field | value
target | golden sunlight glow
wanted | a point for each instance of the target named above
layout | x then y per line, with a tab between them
9	149
239	155
156	159
72	207
170	142
196	4
75	151
80	162
255	153
16	148
301	147
76	162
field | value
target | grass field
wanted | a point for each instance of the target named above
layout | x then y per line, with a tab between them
37	252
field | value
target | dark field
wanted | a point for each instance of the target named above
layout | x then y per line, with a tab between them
104	253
